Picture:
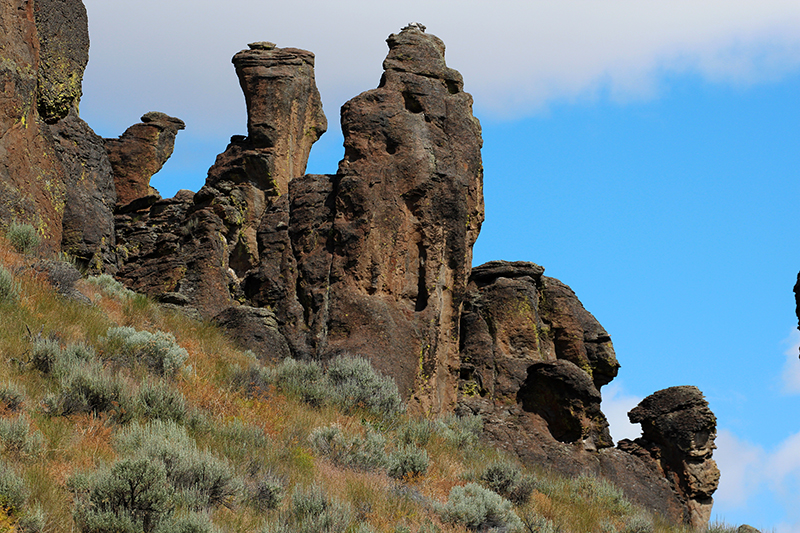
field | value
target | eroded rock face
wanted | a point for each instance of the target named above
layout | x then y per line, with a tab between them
31	176
528	345
678	432
138	154
408	208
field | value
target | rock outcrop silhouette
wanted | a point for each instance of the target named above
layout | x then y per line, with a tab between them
373	260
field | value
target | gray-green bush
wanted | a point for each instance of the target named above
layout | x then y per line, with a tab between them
349	382
13	492
33	521
189	523
507	480
158	400
265	492
111	286
479	509
90	388
603	492
200	479
9	288
460	431
415	431
353	451
312	511
23	237
408	461
158	351
132	496
16	436
12	396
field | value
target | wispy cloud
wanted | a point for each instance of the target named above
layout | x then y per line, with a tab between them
616	404
516	57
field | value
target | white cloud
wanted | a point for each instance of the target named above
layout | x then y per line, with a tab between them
741	464
515	56
616	404
791	368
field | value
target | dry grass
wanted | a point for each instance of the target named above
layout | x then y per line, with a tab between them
268	434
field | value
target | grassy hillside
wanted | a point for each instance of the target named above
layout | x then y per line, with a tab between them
120	416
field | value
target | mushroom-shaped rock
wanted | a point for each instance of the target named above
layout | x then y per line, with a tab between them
678	431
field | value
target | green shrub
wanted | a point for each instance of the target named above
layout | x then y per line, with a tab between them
415	431
500	477
460	431
89	388
301	379
408	461
46	354
507	480
190	523
158	351
354	383
602	492
33	521
12	396
162	402
9	288
533	522
13	492
349	382
200	479
313	512
361	453
132	496
478	508
17	438
23	237
110	286
265	493
253	380
639	523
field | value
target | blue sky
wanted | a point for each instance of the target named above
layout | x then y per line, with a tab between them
645	153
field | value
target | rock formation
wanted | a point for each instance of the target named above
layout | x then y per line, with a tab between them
678	431
374	259
55	172
139	153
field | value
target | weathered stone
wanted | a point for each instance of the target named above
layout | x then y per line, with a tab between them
255	329
518	331
408	208
139	153
88	220
63	29
31	177
678	432
284	111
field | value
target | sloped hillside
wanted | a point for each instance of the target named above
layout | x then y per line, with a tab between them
119	414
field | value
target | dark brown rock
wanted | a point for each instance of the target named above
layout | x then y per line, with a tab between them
139	153
678	432
408	208
523	337
63	29
31	177
88	220
255	329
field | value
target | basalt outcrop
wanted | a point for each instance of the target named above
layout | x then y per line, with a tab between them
374	259
55	172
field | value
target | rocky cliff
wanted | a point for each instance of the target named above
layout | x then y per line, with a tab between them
374	259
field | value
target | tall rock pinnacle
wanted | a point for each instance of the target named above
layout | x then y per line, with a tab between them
409	207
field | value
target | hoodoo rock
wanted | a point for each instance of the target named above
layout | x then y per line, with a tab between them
678	432
138	154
